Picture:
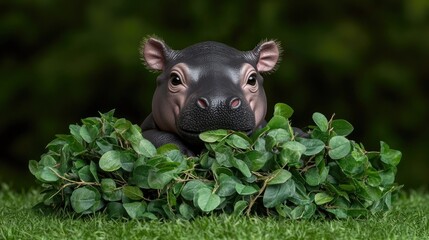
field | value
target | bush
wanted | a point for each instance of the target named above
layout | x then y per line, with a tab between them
105	164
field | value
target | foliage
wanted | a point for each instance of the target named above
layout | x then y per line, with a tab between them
106	165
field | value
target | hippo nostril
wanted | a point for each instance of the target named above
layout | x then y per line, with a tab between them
203	103
235	103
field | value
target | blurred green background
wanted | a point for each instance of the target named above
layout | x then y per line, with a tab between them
366	61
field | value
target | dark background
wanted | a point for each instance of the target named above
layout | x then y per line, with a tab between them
364	60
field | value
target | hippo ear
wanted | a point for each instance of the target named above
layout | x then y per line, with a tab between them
154	52
268	54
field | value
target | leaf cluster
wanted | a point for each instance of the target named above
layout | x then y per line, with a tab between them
105	164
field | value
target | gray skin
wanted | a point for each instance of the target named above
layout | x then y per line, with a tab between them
203	87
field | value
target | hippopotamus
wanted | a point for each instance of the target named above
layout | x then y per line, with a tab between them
206	86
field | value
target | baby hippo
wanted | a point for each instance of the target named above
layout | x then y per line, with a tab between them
205	86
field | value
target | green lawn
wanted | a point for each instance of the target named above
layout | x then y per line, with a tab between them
408	220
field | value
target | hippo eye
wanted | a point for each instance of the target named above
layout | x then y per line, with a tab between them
175	79
252	80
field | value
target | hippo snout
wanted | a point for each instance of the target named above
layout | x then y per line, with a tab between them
233	103
204	113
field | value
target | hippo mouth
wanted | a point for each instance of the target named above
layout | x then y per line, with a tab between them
194	119
194	136
184	132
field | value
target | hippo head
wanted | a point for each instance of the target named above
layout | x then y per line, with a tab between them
208	86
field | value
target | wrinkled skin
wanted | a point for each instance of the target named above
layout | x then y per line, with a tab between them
203	87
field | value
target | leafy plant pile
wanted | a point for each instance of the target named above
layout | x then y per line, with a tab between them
106	165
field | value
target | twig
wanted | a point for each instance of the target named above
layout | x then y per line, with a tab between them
253	201
71	182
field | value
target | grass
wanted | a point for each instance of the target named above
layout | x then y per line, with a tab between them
408	220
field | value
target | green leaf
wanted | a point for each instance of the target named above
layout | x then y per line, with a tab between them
162	164
88	133
359	156
374	178
226	185
166	148
260	145
93	170
48	161
122	125
115	210
145	148
79	163
291	153
279	176
207	201
224	156
91	121
177	159
135	209
350	166
206	161
318	134
48	175
109	190
279	135
339	147
85	174
342	127
158	180
314	177
245	189
295	146
282	109
283	210
338	212
133	192
150	216
312	146
140	176
75	132
239	207
334	189
82	199
255	159
191	188
108	185
46	171
241	165
367	192
112	194
213	136
218	170
278	122
277	194
111	161
320	121
127	161
303	211
322	198
389	156
133	134
387	177
237	141
186	211
108	116
167	211
33	166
